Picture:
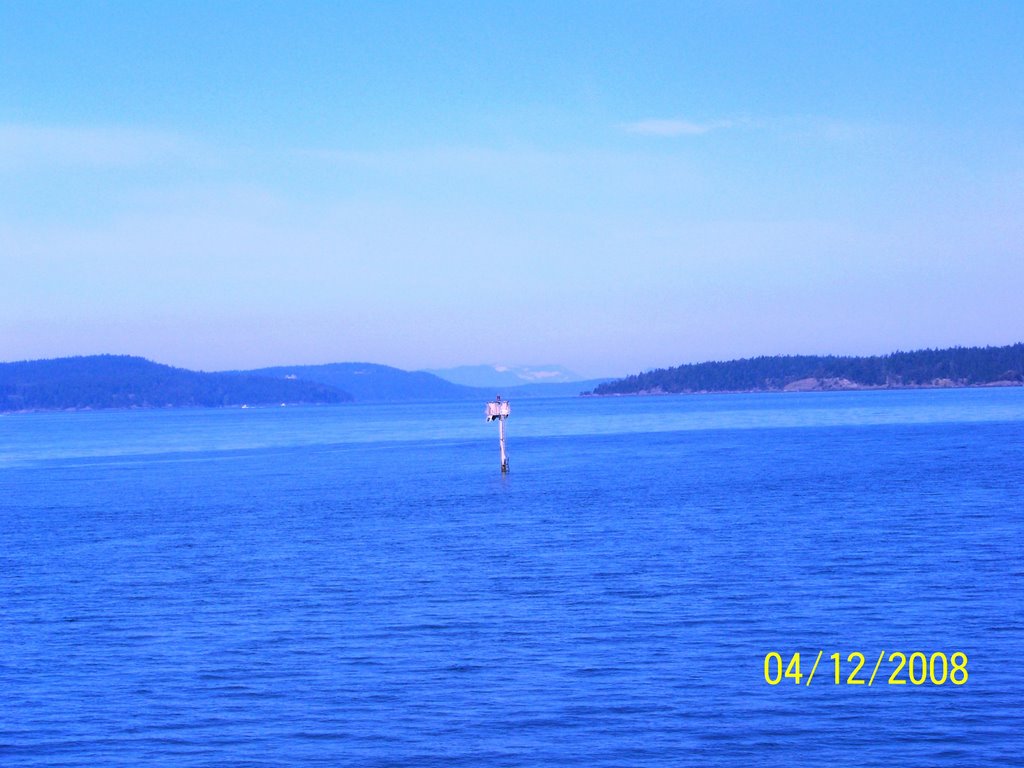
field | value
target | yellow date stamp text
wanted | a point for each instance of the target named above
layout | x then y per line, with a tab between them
896	668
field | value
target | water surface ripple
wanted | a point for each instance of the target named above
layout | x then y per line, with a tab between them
359	586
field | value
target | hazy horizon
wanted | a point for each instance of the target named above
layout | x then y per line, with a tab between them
497	367
614	188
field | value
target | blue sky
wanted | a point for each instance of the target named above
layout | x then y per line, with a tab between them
609	186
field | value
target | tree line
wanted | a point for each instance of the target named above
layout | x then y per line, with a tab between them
121	381
962	366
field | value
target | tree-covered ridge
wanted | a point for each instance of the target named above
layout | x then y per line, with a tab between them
958	366
369	382
374	383
121	381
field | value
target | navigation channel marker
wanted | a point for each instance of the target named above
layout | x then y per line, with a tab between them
499	409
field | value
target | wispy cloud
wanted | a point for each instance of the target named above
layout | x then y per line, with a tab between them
675	127
799	127
28	145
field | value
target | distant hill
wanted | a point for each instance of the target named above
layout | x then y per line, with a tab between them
955	367
382	383
491	376
121	381
371	382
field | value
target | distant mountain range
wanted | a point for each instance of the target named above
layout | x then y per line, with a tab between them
491	376
120	381
954	367
382	383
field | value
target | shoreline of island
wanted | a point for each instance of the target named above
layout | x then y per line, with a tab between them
804	386
955	367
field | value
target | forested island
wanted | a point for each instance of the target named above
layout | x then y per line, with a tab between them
122	381
954	367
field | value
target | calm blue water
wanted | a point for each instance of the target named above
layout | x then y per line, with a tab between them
359	586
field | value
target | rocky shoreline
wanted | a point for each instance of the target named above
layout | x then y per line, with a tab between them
812	384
